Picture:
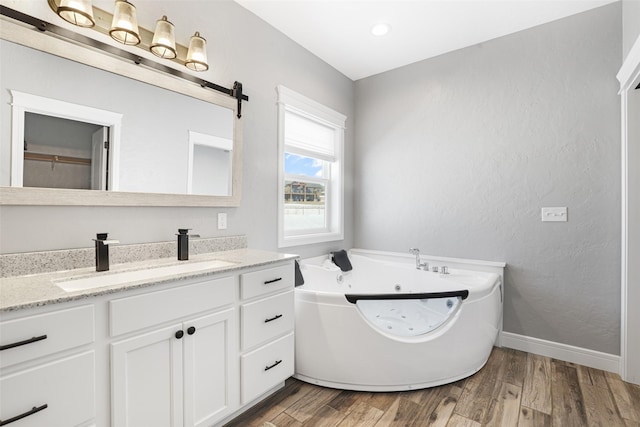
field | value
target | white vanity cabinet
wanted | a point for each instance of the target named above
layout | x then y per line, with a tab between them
48	368
188	352
267	321
181	373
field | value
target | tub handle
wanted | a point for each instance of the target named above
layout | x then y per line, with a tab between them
276	317
273	281
353	298
266	368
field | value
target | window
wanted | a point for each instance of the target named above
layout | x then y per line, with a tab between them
310	144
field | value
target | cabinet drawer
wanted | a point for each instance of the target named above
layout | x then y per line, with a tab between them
44	334
65	386
153	308
266	281
267	318
266	367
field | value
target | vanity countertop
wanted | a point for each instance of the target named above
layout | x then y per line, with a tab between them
34	290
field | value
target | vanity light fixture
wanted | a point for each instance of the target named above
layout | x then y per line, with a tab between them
197	59
78	12
164	39
124	27
197	54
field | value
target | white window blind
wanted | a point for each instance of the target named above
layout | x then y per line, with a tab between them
309	137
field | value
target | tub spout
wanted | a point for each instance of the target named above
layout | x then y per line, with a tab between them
419	265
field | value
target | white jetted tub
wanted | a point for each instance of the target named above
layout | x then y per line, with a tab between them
387	326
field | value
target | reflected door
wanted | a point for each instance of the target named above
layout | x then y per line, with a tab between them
99	156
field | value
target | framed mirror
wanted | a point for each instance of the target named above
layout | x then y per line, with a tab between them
150	139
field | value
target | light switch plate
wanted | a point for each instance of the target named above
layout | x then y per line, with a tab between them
222	221
554	214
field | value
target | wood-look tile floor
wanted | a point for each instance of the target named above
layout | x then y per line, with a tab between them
513	389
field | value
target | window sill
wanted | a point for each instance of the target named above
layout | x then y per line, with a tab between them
308	239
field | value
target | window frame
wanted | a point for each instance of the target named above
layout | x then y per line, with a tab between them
291	101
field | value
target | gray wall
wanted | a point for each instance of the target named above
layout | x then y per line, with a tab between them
630	24
241	47
457	154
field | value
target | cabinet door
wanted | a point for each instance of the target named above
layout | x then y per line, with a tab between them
211	379
147	380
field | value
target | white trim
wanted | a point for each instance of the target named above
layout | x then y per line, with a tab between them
582	356
630	70
629	74
23	103
309	108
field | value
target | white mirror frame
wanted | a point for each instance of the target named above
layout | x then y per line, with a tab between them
32	38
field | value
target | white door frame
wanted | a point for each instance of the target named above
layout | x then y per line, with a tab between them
23	103
628	76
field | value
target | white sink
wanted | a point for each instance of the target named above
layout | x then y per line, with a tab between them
111	279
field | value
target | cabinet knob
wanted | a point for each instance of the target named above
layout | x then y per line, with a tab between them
191	330
179	334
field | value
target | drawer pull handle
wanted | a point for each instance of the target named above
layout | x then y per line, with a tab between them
191	330
26	414
179	334
19	343
273	281
276	317
266	368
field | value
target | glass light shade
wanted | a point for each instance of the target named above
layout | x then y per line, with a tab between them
78	12
197	54
164	39
124	27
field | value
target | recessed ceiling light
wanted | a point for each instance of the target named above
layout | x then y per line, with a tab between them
380	29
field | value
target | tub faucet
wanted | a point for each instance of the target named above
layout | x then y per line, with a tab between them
102	251
419	265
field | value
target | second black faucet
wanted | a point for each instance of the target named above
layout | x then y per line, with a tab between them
183	243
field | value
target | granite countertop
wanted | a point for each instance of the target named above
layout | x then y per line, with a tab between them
34	290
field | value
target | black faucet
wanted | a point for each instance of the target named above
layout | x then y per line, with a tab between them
102	251
183	243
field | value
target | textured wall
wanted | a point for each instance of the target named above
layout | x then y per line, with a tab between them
630	24
241	47
457	154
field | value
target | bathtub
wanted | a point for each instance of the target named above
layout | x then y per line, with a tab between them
386	326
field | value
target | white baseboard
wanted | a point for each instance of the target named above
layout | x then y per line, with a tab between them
582	356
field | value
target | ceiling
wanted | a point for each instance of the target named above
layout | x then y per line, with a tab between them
338	31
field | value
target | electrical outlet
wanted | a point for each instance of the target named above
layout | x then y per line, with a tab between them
554	214
222	221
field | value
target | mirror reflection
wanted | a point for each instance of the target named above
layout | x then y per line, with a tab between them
60	153
166	142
